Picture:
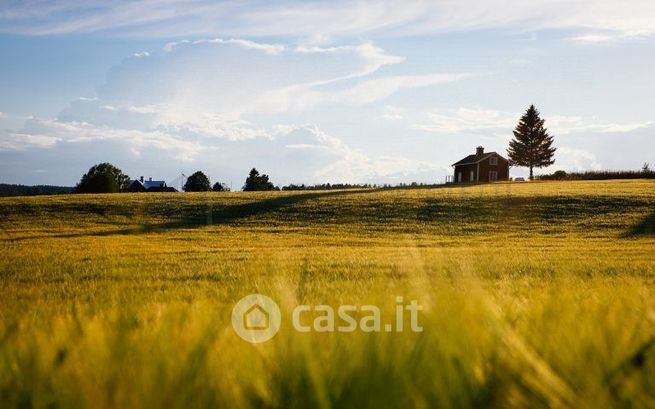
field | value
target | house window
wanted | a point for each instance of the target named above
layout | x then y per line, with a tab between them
493	176
459	177
472	176
493	160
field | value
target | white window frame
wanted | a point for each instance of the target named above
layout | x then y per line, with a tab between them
472	176
493	160
493	176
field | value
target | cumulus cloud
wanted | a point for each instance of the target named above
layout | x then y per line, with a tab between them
16	141
226	105
212	99
174	109
236	77
45	133
290	153
576	159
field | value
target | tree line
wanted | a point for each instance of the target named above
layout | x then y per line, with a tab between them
644	173
23	190
107	178
199	182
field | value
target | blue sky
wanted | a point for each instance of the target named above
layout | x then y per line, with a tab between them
312	92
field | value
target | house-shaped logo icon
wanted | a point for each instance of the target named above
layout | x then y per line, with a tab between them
256	318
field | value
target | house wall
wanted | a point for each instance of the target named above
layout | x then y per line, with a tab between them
466	173
483	167
502	169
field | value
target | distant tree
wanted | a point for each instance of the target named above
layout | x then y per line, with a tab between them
255	182
219	187
22	190
531	146
645	168
103	178
559	175
198	182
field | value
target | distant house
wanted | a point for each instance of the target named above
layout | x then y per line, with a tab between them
481	167
150	185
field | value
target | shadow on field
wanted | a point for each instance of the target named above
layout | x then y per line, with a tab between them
646	227
204	215
457	214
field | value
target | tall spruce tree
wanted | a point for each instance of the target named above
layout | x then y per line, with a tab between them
531	146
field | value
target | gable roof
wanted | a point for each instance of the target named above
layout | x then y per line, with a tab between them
136	184
153	183
473	159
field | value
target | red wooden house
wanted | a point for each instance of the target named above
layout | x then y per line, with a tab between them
481	168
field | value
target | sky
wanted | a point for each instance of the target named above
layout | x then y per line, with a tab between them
318	91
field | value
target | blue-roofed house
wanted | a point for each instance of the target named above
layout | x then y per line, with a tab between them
141	185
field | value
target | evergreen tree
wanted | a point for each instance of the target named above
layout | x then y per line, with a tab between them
531	146
103	178
255	182
198	182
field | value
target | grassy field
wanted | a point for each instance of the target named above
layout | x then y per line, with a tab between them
534	295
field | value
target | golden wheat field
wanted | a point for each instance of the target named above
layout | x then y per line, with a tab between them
533	295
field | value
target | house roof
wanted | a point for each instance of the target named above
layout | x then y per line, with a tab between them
473	159
153	183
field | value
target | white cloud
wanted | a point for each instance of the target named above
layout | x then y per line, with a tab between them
214	80
292	153
145	109
173	118
272	49
576	159
393	113
489	121
577	124
594	38
171	18
201	111
467	120
380	88
46	133
375	58
303	97
15	141
607	37
347	164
